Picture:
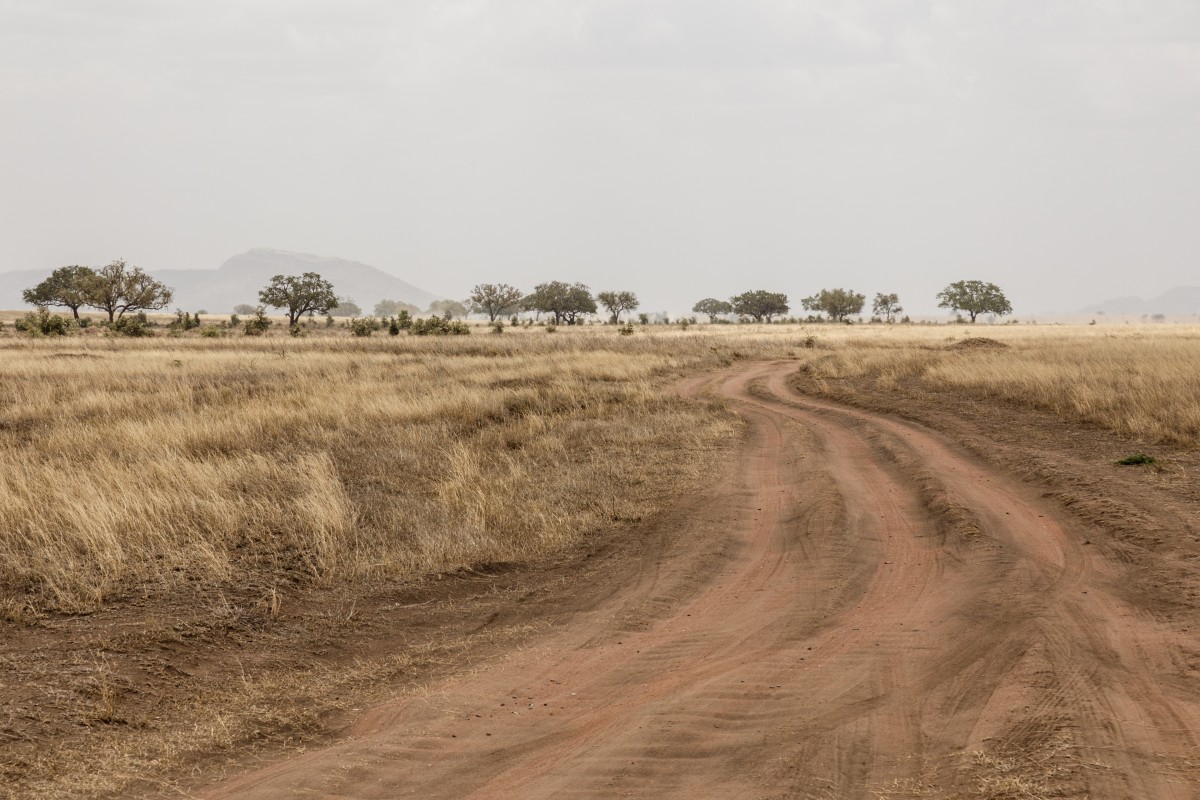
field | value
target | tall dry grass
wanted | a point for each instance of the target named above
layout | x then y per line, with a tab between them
1140	381
132	466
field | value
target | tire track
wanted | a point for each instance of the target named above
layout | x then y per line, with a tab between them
849	644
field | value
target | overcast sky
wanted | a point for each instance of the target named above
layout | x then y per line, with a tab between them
678	148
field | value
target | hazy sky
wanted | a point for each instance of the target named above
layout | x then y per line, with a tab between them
679	148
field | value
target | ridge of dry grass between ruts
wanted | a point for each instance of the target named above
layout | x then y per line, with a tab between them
140	467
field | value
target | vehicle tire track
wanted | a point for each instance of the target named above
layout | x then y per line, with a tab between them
885	614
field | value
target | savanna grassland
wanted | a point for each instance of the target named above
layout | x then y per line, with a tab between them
220	546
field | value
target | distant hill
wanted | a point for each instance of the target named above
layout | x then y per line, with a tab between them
1180	301
239	279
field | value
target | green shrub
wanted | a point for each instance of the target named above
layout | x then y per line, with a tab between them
1136	459
626	329
439	326
258	324
135	326
364	326
211	332
498	326
43	323
298	331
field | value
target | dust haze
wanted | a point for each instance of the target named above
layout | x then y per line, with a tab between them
679	150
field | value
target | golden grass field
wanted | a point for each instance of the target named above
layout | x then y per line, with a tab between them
172	470
134	464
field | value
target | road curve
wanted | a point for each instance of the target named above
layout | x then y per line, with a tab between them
878	614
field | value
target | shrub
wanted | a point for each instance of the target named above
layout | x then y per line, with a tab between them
1136	459
498	326
43	323
135	326
439	326
297	331
626	329
258	324
364	326
211	332
551	327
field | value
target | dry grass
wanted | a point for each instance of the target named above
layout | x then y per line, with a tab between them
1141	382
170	468
130	466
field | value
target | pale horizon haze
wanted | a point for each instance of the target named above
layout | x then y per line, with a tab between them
679	149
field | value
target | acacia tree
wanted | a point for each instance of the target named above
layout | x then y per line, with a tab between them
346	308
448	308
836	303
886	305
67	286
760	305
975	298
299	294
713	308
495	299
566	301
618	302
390	308
118	287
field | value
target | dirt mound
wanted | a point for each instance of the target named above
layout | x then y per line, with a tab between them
978	343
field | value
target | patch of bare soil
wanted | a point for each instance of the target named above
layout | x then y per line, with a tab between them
878	612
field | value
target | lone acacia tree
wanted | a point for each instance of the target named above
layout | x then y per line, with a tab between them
837	304
117	287
299	294
886	305
566	301
618	302
69	287
713	308
760	304
495	299
975	298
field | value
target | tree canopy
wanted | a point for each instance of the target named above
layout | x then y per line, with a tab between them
886	305
390	308
566	301
837	304
617	302
117	287
495	299
346	308
69	287
451	308
975	298
760	304
299	294
713	308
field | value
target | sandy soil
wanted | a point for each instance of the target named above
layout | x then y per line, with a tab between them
861	607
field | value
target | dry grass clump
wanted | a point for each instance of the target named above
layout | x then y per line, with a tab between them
155	464
1140	382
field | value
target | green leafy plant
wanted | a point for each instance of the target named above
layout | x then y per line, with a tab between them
1136	459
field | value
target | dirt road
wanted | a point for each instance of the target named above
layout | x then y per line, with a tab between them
858	609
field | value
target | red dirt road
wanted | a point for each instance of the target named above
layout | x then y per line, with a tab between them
859	609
